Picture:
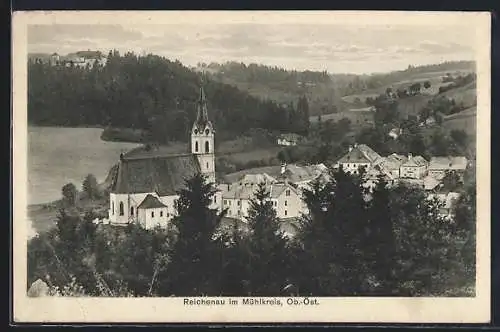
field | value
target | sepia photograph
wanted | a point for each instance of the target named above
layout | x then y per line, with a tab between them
251	166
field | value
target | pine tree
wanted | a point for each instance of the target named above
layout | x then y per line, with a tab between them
313	244
192	268
379	242
90	186
267	247
347	223
69	194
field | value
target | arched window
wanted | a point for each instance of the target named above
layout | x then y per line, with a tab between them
121	209
196	146
131	210
112	208
207	165
207	147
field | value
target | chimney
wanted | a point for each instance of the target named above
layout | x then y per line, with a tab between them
409	156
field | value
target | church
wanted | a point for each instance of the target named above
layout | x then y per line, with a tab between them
144	187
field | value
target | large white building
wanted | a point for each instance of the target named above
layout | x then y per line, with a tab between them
145	185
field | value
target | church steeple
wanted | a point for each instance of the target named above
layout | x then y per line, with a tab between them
202	120
202	110
202	138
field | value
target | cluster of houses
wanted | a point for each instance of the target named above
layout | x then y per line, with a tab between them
145	184
82	59
408	169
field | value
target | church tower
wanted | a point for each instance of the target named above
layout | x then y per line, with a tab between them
202	139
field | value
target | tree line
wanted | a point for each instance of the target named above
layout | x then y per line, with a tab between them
149	93
393	244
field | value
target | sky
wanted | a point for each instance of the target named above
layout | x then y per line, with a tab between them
336	48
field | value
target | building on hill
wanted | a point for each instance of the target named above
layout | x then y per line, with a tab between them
289	139
358	156
253	179
145	185
438	166
84	59
286	199
415	167
392	164
54	59
302	176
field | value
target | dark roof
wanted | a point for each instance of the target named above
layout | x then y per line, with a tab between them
150	202
360	154
89	54
164	175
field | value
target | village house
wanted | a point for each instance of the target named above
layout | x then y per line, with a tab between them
395	133
145	185
392	164
415	167
302	176
285	199
84	59
358	156
54	59
438	166
289	139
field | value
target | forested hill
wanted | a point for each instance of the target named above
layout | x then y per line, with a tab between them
325	91
149	93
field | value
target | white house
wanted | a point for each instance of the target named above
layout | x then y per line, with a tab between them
392	164
359	155
145	185
395	133
438	166
285	198
289	139
415	167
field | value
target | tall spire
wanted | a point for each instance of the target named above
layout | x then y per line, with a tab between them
202	112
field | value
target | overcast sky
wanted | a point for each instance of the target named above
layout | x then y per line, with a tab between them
335	48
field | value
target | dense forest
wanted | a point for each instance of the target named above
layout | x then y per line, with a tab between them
148	93
393	244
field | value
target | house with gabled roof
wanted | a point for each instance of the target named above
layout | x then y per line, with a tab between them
392	164
415	167
358	156
284	197
438	166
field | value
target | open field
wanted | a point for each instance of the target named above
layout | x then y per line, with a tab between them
435	78
465	120
255	154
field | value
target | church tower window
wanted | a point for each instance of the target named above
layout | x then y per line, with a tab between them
207	147
121	209
196	146
207	131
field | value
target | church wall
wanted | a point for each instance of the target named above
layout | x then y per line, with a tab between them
115	216
207	165
150	218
